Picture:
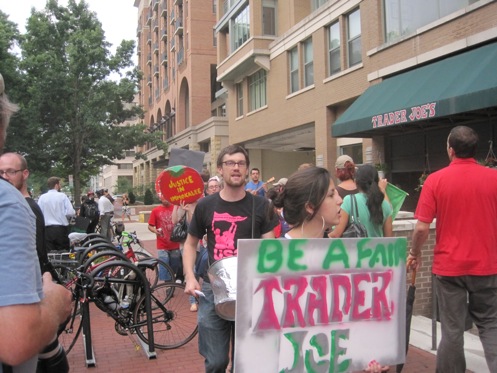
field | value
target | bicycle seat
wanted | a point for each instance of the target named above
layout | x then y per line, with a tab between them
76	237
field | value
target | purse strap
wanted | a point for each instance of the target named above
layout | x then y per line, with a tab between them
353	209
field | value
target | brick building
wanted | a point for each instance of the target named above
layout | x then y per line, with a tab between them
382	81
179	92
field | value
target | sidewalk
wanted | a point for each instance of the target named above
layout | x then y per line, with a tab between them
114	352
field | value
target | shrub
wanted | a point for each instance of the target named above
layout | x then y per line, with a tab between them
149	197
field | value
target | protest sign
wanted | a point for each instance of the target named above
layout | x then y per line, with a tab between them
179	184
320	305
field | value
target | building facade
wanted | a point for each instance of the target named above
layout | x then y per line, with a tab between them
179	90
308	80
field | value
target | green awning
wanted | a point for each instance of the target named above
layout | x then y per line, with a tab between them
458	84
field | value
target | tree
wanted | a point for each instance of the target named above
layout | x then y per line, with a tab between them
71	115
9	62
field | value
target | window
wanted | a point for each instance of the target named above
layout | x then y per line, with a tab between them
293	56
257	90
334	61
354	38
240	29
317	3
308	63
404	17
269	17
354	151
239	100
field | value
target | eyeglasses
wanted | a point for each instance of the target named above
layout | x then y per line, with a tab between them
232	164
10	172
212	187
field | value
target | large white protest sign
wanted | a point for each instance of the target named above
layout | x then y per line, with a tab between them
320	305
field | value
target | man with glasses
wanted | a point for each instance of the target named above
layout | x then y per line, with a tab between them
31	308
57	210
226	217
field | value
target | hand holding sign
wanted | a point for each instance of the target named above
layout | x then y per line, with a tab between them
179	184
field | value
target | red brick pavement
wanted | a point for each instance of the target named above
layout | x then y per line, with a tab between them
116	353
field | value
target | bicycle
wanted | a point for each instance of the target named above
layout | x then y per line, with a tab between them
117	289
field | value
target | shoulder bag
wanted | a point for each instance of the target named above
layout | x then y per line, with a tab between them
355	228
180	230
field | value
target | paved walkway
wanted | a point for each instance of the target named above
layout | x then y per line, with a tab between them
116	353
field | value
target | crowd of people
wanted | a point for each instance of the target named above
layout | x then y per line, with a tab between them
305	204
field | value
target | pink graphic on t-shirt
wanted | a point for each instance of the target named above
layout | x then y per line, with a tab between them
225	240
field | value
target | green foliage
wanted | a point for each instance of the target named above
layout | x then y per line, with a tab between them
149	198
132	197
71	113
124	184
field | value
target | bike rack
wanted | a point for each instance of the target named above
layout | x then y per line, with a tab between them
149	349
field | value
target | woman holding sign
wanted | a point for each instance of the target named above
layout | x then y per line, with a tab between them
311	204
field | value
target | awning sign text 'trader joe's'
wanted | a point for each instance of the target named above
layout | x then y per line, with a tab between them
403	116
319	305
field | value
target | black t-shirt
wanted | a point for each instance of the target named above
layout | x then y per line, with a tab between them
227	222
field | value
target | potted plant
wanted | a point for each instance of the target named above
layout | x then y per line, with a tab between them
421	181
382	169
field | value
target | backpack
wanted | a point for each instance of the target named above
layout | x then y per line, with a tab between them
92	211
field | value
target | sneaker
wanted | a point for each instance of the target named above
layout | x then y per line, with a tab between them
193	307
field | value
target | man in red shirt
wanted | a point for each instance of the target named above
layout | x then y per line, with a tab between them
161	223
463	199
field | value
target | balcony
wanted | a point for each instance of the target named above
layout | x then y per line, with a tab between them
171	18
156	70
163	35
163	9
138	49
139	29
149	81
250	56
163	59
173	45
155	4
149	38
149	59
156	24
149	17
156	48
178	2
179	27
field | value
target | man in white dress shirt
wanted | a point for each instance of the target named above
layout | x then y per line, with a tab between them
57	210
106	209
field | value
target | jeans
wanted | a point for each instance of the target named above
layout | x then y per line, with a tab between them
171	257
453	293
214	334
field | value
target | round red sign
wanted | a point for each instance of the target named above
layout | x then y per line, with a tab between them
180	184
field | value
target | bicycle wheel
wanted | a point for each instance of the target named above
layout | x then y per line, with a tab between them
69	332
172	322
